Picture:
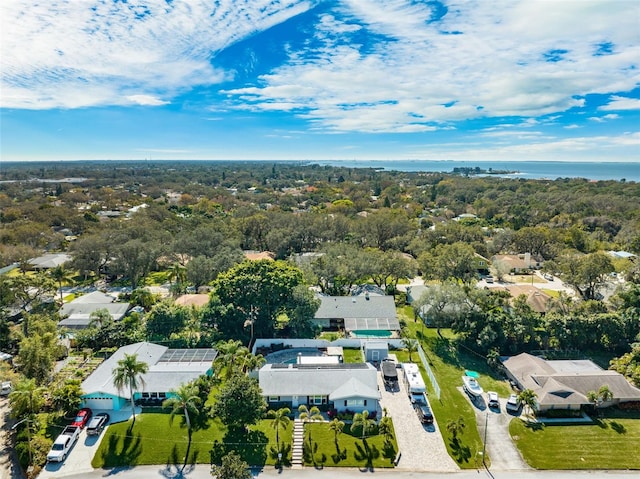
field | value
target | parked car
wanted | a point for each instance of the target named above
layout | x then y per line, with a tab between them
97	423
82	417
6	388
548	277
488	279
512	403
493	399
424	413
63	444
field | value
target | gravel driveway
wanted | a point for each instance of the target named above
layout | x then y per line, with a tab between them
503	452
421	446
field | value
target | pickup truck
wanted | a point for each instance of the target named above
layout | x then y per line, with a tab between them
63	444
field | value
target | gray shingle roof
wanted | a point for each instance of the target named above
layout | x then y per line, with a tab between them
567	382
276	380
79	310
360	312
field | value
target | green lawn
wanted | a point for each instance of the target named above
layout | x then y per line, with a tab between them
154	441
612	443
448	364
352	356
349	451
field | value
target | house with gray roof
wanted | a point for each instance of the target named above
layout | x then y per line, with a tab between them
168	369
49	261
565	384
77	313
358	315
352	386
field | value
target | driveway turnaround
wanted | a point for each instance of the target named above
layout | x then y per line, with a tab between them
503	452
422	447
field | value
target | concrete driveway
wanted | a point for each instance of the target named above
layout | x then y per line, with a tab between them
504	454
421	446
79	459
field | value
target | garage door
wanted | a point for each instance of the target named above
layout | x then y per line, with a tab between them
98	403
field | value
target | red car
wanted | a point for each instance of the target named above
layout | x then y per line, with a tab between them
82	417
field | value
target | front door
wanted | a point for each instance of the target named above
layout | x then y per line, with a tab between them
294	401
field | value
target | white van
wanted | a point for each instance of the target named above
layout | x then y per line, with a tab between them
5	389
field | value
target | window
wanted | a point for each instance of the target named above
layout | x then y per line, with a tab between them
145	395
355	402
316	399
274	398
162	395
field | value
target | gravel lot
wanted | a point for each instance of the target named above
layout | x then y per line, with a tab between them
421	446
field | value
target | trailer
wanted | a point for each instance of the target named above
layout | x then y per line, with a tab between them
416	388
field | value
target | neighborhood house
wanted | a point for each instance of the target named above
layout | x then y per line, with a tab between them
168	369
352	386
564	384
77	313
361	316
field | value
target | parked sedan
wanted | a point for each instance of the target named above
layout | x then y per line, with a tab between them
97	424
82	417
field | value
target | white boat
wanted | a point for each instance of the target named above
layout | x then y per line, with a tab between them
471	386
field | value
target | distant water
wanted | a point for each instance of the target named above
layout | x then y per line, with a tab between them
525	169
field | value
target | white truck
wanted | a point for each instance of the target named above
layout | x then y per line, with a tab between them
63	444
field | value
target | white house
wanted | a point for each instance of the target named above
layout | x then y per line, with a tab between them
168	369
77	313
352	386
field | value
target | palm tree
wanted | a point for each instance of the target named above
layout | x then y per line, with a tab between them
593	398
26	398
386	428
184	400
279	418
100	318
307	414
128	373
61	275
361	419
251	361
229	353
605	393
336	426
529	399
456	427
411	345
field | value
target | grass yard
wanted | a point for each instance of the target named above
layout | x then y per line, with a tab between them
448	364
612	443
352	356
348	451
154	441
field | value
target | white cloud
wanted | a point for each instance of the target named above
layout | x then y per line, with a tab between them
91	52
146	100
602	119
619	103
494	67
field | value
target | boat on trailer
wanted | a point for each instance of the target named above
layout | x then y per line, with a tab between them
471	385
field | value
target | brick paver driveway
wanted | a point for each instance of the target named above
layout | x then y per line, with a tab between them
421	446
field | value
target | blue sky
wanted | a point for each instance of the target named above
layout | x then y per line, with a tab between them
314	80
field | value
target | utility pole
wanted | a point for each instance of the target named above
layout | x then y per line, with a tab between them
484	446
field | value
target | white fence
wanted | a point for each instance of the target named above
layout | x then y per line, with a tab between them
432	378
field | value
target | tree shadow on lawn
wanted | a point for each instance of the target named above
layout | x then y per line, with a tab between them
251	446
285	450
389	451
366	453
309	451
125	454
461	453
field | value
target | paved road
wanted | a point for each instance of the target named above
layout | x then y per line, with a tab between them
203	472
504	454
9	467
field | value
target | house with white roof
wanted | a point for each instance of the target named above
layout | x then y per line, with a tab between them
168	369
352	386
49	261
76	314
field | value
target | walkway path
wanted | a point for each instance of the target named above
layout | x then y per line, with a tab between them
298	443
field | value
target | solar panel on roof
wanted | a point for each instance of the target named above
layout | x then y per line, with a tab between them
188	355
